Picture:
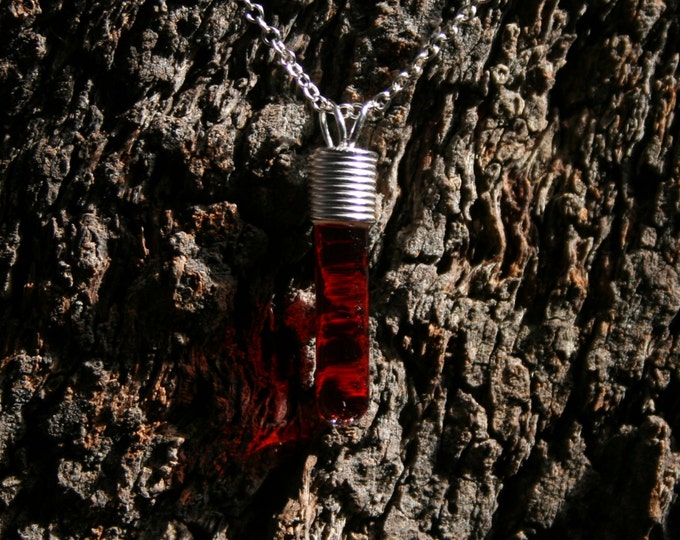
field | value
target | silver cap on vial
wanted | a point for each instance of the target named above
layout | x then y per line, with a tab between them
343	185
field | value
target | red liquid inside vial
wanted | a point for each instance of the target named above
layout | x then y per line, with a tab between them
342	348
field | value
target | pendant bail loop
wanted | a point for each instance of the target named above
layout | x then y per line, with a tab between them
341	113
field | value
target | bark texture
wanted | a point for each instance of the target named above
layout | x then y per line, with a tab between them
156	280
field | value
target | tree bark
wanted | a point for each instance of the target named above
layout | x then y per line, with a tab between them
156	277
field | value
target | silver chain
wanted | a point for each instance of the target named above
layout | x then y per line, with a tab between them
273	38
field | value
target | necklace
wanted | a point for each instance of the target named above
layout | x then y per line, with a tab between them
343	204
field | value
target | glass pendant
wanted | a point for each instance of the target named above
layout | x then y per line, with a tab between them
343	183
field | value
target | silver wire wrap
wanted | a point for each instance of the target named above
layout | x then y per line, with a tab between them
273	38
343	185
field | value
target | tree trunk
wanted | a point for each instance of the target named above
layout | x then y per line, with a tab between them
156	276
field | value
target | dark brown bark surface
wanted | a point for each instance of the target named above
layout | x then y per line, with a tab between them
156	279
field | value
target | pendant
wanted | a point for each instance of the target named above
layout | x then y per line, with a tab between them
343	193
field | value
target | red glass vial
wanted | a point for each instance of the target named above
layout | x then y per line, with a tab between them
342	346
343	184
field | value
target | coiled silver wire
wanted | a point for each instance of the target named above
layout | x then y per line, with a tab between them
343	185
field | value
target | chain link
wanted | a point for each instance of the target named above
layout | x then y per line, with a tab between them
272	37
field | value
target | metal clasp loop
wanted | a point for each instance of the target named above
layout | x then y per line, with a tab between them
346	137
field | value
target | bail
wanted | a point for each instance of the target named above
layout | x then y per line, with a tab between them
346	138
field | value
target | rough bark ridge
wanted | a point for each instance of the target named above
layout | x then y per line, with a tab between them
156	280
